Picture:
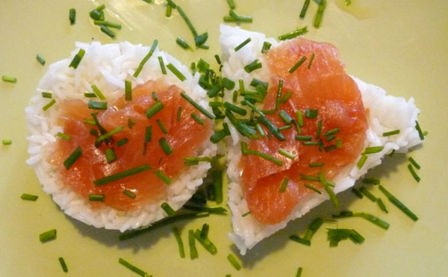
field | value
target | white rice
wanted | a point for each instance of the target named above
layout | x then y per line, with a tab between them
106	66
385	113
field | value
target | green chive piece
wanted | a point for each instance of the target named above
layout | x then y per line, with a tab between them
182	43
234	261
369	217
98	92
300	269
266	122
48	105
319	13
191	242
74	156
253	66
235	18
155	108
110	155
266	46
40	59
311	61
331	132
72	16
337	235
361	161
297	64
197	106
161	126
246	151
284	184
107	24
77	59
299	118
129	193
413	173
162	65
180	243
419	130
48	235
107	31
309	178
319	129
122	142
132	267
245	214
165	146
287	154
98	12
368	194
187	21
391	133
146	58
381	205
348	2
29	197
63	264
228	84
97	105
176	72
120	175
131	123
287	119
190	161
373	149
127	90
168	10
9	79
313	188
414	163
6	141
89	121
242	44
294	34
197	118
46	94
260	130
89	95
206	242
285	97
96	197
286	127
311	113
167	208
110	134
310	230
398	203
179	113
235	108
163	177
304	9
328	189
312	165
215	210
298	239
371	181
357	193
231	4
204	230
311	143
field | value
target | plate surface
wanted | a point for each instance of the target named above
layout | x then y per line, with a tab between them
399	45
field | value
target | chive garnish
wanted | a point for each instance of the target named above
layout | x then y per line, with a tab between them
109	134
96	197
337	235
286	153
167	208
107	24
29	197
180	243
414	163
398	203
260	130
179	113
120	175
287	119
49	104
310	230
127	90
189	161
311	143
97	13
77	59
361	161
357	193
381	205
242	44
293	34
331	132
371	181
246	151
413	173
192	244
299	118
129	193
228	84
304	9
155	108
162	65
309	178
161	126
163	177
284	184
132	267
271	127
90	122
234	261
319	13
197	118
369	217
211	210
311	61
311	187
266	46
98	92
89	95
297	64
165	146
234	17
110	155
328	189
176	72
419	130
373	149
97	105
63	264
6	141
182	43
48	235
231	4
187	21
122	142
253	66
205	242
72	16
46	94
300	269
319	129
234	108
197	106
146	58
9	79
391	133
368	194
75	155
40	59
311	113
240	126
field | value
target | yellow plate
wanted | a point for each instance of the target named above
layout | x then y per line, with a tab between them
399	45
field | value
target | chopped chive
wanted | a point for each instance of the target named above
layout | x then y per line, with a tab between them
361	161
299	118
89	95
131	123
176	72
284	184
127	90
107	24
287	154
287	119
381	205
285	97
391	133
245	214
215	210
40	59
146	58
369	217
110	155
328	189
187	21
129	193
319	129
180	243
182	43
192	244
414	163
298	239
413	173
256	64
48	235
337	235
74	156
311	61
231	4
197	106
204	230
266	46
206	242
110	134
107	31
46	94
122	142
234	17
179	113
373	149
63	264
155	108
304	9
234	261
293	34
161	126
319	13
371	181
367	193
29	197
98	12
96	197
120	175
260	130
72	16
242	44
189	161
163	177
6	141
311	113
297	64
357	193
311	229
89	121
162	65
398	203
309	178
165	146
235	108
331	132
132	267
286	127
197	118
315	165
77	59
49	104
348	2
266	122
9	79
167	208
246	151
311	187
419	130
97	105
240	126
311	143
98	92
228	84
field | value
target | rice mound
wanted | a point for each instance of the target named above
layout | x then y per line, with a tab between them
106	66
385	113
